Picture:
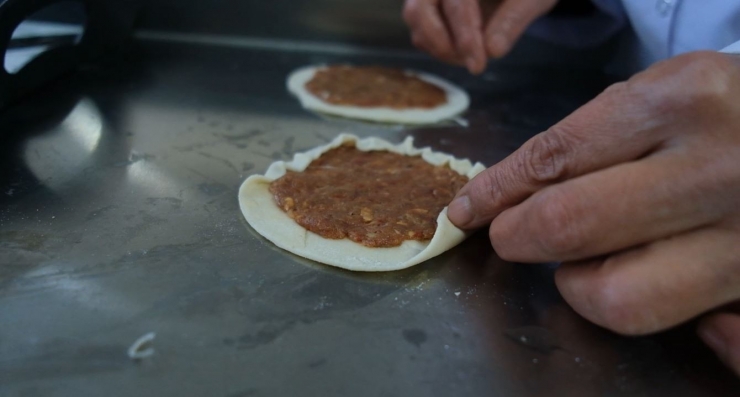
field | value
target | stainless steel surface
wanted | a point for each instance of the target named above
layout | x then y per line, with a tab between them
359	21
376	23
119	216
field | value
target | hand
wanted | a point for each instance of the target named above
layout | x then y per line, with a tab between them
453	31
638	194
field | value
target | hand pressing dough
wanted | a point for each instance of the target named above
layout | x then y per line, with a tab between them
260	210
457	101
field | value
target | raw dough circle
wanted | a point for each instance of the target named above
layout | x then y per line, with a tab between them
259	209
457	101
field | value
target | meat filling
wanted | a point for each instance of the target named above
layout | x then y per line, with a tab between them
374	86
376	198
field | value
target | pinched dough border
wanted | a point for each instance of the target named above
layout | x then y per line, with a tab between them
457	101
259	209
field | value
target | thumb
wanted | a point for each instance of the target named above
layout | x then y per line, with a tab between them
509	21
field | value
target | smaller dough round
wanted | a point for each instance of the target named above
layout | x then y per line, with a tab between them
260	210
457	101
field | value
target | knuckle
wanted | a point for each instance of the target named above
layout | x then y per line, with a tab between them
494	188
556	215
617	310
710	75
708	62
691	82
614	300
645	94
545	158
491	186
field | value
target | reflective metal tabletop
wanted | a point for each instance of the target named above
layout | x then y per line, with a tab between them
119	216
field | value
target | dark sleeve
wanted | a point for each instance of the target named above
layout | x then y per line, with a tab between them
581	23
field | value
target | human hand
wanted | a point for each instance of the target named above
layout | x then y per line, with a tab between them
638	194
453	30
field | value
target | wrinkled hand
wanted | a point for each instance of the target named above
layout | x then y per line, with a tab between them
638	193
453	30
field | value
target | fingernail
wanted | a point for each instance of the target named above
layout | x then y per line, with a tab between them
499	45
460	211
714	339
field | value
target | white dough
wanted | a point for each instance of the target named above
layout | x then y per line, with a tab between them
260	210
457	101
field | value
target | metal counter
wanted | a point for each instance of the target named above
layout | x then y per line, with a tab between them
119	216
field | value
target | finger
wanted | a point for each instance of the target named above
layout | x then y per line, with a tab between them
425	21
721	332
510	20
422	45
657	286
615	127
464	19
618	207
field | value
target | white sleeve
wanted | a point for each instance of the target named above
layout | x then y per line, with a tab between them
733	48
582	32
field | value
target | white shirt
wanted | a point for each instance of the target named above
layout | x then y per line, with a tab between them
661	28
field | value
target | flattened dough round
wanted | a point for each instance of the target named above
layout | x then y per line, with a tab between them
457	101
260	210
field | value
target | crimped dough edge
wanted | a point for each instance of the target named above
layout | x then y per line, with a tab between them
259	209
